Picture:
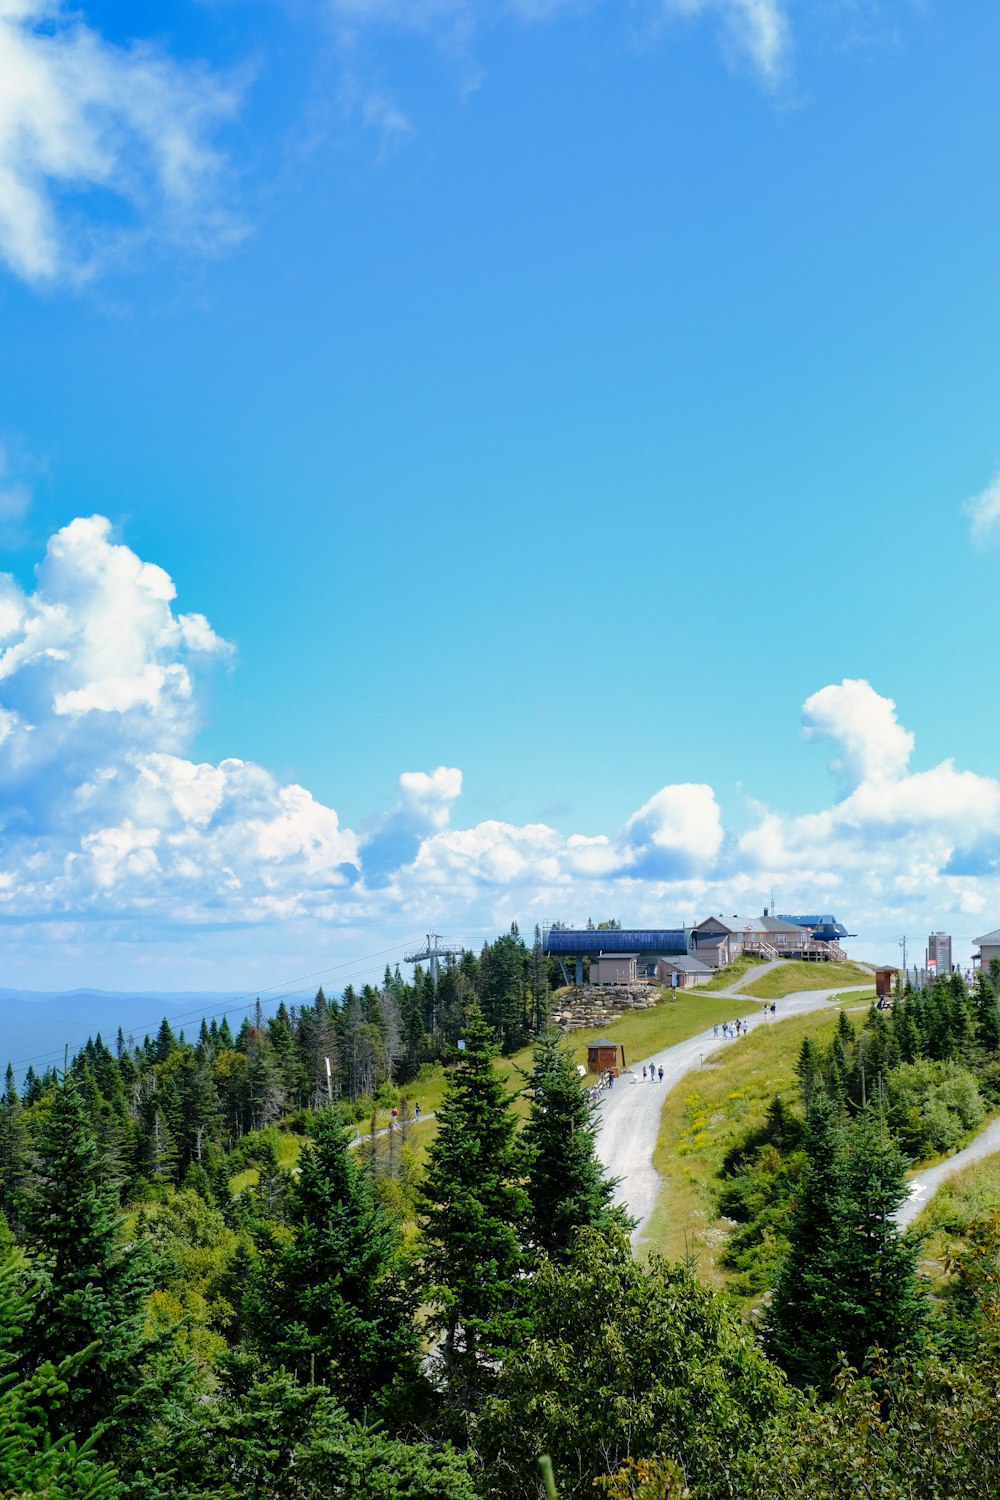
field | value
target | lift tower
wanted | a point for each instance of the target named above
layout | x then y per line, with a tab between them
433	954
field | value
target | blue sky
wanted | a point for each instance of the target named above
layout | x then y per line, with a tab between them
464	463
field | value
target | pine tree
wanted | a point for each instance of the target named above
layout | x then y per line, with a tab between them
539	984
328	1306
12	1139
809	1068
566	1185
473	1207
30	1463
92	1290
849	1280
165	1042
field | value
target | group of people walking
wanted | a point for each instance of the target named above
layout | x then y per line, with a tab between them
732	1028
740	1028
653	1072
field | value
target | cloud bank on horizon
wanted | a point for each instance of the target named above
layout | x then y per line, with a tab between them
106	815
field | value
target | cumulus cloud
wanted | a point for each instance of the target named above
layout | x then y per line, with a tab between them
424	807
676	832
897	845
102	810
899	841
675	835
105	813
983	511
81	118
873	744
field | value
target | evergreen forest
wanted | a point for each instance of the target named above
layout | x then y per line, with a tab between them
240	1265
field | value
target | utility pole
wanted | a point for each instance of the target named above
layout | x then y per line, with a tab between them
902	944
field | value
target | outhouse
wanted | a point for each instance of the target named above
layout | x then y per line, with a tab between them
883	982
602	1057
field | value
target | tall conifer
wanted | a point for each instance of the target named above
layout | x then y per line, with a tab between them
473	1210
328	1305
849	1280
566	1184
93	1285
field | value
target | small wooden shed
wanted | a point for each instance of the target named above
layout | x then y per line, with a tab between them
883	982
602	1057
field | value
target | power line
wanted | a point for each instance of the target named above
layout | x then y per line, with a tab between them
250	997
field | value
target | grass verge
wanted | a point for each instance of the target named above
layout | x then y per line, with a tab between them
704	1117
971	1194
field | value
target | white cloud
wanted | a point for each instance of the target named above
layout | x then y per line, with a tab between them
757	30
431	797
80	117
680	829
105	814
872	742
677	834
983	511
754	32
97	706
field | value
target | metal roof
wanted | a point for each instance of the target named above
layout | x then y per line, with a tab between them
619	941
991	939
824	927
735	924
686	964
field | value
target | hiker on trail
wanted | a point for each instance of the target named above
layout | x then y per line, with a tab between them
644	1072
774	1010
660	1071
715	1030
652	1073
739	1027
416	1113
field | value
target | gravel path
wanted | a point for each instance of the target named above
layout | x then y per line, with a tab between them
630	1111
925	1184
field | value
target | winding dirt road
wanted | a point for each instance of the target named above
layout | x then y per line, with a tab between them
630	1111
925	1184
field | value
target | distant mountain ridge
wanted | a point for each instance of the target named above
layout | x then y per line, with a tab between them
36	1026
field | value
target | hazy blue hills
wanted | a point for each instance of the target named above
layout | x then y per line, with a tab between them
36	1026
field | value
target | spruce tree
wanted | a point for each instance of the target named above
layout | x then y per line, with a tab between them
12	1139
93	1285
30	1463
849	1280
473	1209
566	1185
328	1305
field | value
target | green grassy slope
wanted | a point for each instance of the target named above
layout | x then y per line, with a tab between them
705	1115
796	974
